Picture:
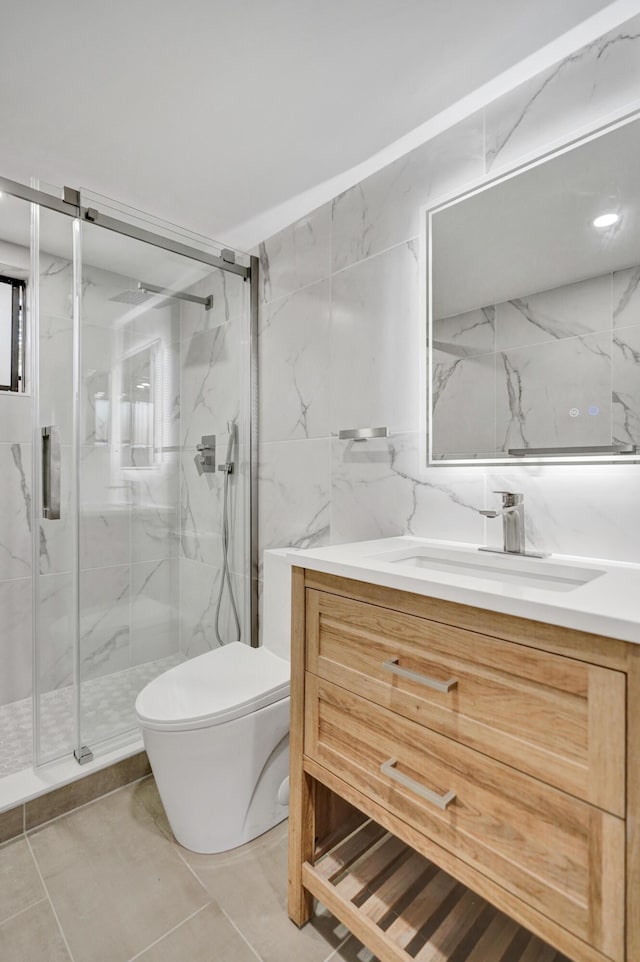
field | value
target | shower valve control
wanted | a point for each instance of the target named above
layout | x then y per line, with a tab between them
206	457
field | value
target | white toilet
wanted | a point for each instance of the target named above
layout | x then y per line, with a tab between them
216	730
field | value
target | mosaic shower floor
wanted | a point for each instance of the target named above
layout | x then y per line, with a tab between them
107	708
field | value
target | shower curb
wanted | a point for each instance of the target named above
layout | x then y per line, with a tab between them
29	815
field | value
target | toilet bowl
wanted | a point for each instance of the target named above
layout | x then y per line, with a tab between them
216	730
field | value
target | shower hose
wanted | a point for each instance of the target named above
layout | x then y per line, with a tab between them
227	468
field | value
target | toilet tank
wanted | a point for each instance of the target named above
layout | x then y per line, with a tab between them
276	602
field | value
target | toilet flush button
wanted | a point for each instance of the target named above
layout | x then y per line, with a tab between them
283	792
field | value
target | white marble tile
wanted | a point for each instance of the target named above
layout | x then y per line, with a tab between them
155	597
162	323
294	358
155	511
56	374
15	640
376	344
574	309
230	303
591	511
296	256
555	394
200	589
199	586
15	418
380	489
56	631
104	620
463	335
56	280
463	405
294	493
213	372
597	81
15	511
384	209
626	297
105	509
626	385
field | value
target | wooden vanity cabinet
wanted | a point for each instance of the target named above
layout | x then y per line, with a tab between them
488	758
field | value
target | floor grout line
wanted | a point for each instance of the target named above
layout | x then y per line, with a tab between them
240	933
169	932
25	909
53	908
338	948
228	917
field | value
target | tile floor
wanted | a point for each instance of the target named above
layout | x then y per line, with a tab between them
108	883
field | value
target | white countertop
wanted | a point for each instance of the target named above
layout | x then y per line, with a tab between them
609	604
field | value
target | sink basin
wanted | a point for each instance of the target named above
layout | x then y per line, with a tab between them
509	569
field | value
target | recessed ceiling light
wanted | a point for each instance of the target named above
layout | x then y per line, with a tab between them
606	220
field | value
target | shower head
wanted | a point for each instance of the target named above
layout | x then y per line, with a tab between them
131	297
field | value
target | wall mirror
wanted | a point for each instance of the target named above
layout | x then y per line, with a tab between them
534	310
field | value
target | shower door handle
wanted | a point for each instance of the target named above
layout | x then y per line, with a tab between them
51	472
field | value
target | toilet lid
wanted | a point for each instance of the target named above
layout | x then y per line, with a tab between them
218	686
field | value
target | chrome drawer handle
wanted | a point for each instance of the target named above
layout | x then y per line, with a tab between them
440	801
444	686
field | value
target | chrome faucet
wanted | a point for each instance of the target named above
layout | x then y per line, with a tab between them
512	515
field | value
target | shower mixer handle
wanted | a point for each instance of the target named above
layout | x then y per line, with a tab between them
206	457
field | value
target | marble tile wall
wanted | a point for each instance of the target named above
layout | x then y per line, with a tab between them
339	344
214	379
549	369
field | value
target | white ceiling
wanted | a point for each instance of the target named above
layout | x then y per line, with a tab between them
209	113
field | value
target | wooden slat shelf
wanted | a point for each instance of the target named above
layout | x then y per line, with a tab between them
404	907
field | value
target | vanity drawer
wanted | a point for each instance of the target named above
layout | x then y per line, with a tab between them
558	854
556	718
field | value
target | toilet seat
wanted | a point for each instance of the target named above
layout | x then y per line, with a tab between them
212	688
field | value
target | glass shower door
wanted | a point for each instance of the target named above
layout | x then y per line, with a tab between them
53	332
162	363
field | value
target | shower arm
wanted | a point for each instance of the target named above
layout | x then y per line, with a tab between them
207	302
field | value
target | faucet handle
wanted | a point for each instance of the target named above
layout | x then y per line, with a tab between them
510	498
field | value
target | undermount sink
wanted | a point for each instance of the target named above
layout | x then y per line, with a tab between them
506	568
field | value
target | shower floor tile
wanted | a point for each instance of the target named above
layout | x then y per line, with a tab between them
107	708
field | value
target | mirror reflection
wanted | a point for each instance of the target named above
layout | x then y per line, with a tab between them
137	408
535	309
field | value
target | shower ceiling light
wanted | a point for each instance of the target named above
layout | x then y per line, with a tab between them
606	220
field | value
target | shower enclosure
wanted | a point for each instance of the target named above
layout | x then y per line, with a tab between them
137	377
